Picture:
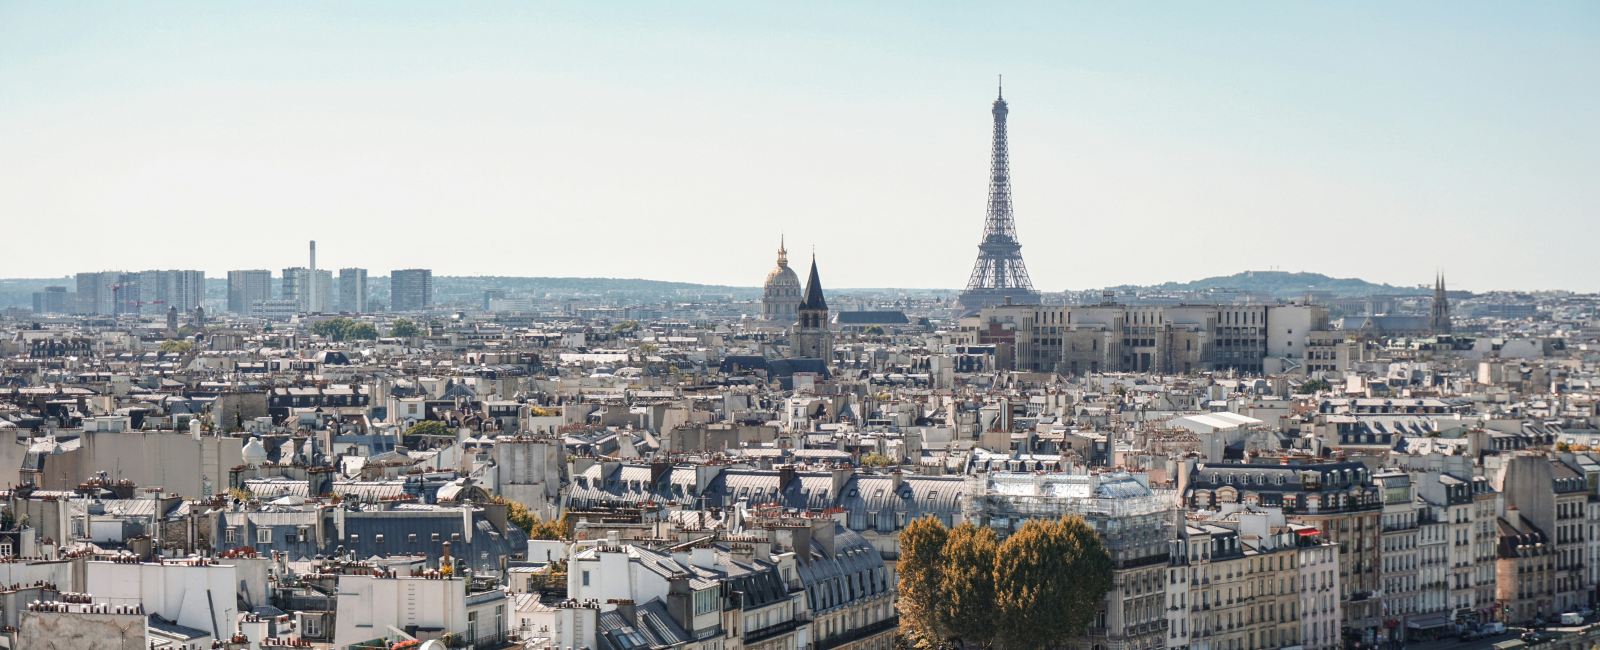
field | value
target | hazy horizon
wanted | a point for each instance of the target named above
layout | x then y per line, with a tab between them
678	142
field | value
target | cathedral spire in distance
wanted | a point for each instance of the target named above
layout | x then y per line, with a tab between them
1439	322
999	273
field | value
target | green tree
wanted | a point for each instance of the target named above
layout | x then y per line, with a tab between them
1563	447
626	327
963	589
172	345
333	328
518	515
968	592
1049	580
876	460
875	330
403	328
361	332
1312	386
429	428
921	588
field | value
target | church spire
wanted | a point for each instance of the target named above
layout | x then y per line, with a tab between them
813	296
783	253
1440	321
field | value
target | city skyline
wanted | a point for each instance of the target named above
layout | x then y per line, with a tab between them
1329	141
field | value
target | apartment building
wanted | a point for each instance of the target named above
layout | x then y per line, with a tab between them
245	288
1173	339
1318	568
1399	556
1338	499
353	290
411	290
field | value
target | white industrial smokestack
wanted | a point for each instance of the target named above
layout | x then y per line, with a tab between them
311	285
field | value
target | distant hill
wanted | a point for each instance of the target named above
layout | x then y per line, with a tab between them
1283	284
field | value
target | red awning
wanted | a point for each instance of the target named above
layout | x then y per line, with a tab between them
1307	532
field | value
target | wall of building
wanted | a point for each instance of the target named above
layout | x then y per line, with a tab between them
175	462
368	606
57	631
201	597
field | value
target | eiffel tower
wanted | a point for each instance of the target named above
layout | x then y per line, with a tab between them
999	273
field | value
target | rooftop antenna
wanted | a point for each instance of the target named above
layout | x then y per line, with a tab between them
1002	87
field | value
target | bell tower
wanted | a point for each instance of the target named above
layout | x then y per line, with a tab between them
810	337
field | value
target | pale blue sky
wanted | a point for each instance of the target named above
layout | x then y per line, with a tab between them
675	141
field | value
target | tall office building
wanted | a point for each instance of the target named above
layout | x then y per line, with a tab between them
411	289
107	293
53	300
311	289
159	290
296	286
491	295
321	299
246	287
188	289
353	290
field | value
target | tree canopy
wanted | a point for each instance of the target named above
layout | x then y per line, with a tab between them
519	516
876	460
174	345
344	329
1313	386
963	588
429	428
404	328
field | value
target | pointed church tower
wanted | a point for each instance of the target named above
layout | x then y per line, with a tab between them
810	338
1440	322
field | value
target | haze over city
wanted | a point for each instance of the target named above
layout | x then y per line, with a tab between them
1148	144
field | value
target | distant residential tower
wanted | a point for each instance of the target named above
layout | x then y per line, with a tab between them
411	290
353	290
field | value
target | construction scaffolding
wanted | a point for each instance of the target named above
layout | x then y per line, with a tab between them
1132	520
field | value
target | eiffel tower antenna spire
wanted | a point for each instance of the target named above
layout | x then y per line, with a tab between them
999	275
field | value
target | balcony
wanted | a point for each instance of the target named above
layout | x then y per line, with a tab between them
885	625
770	631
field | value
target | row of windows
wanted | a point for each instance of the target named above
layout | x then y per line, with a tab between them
264	535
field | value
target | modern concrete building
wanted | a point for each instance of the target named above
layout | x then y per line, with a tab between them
160	290
353	290
107	293
53	300
247	287
411	290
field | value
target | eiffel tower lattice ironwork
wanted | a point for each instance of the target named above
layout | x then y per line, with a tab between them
999	273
